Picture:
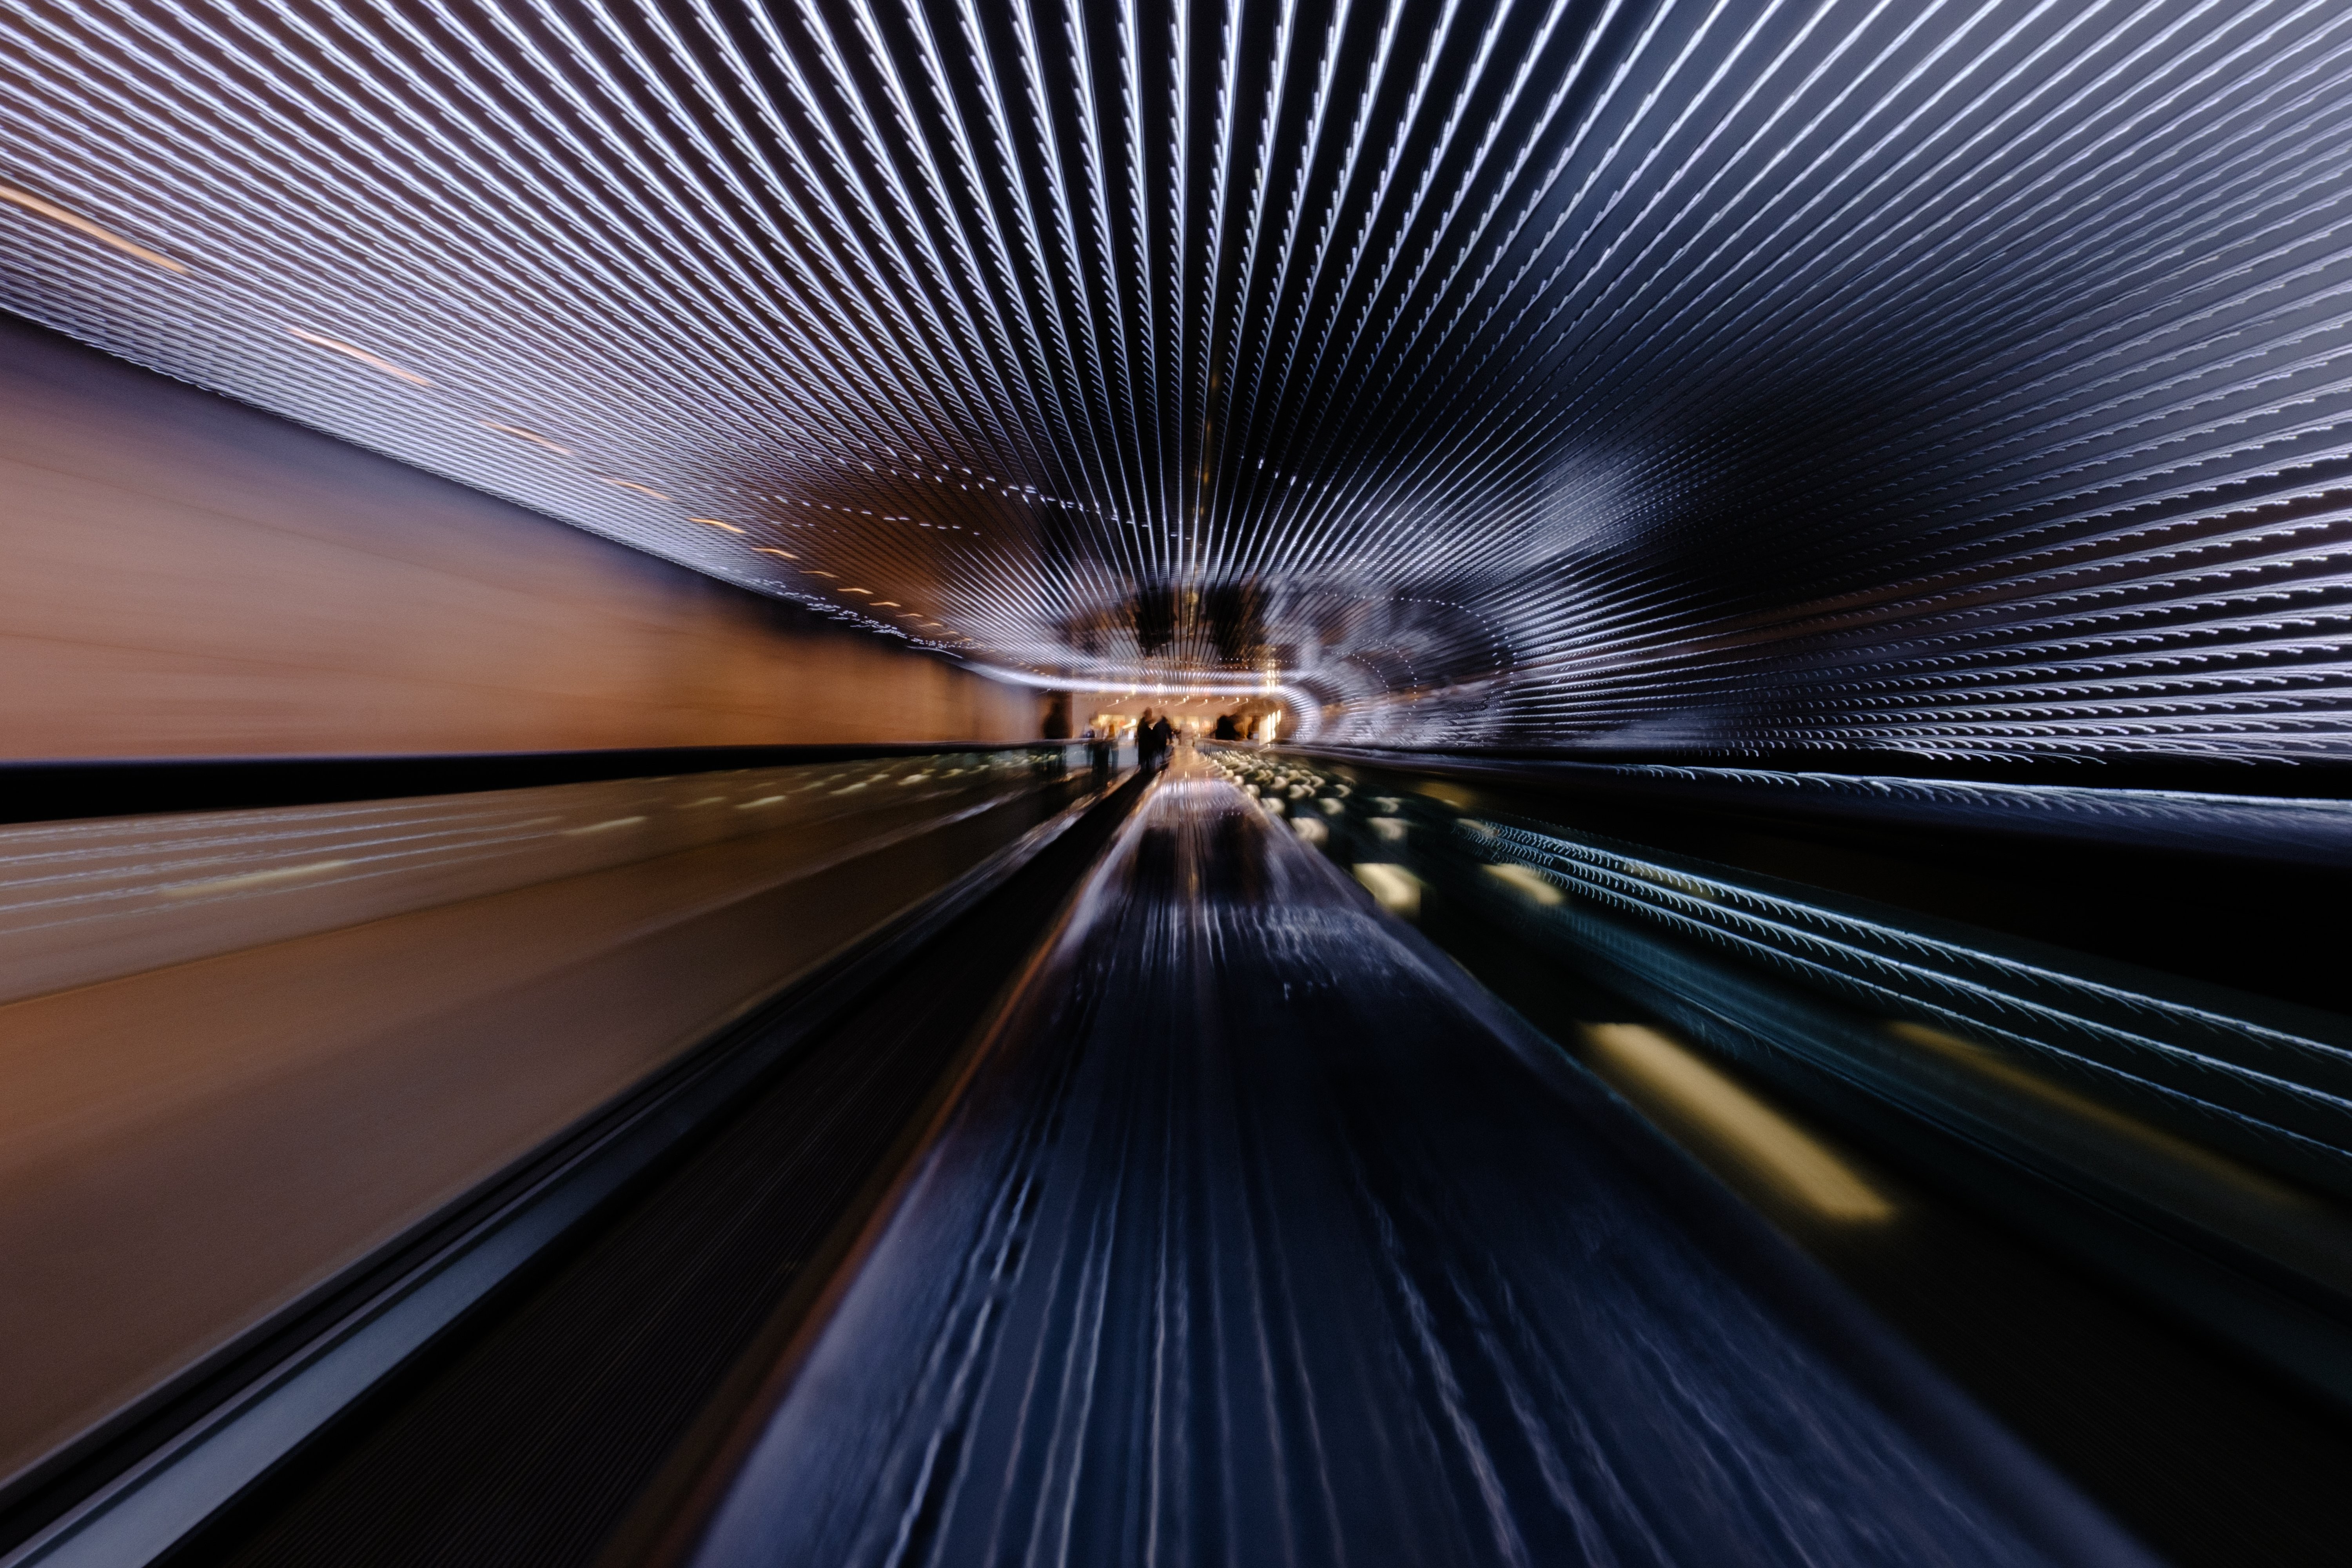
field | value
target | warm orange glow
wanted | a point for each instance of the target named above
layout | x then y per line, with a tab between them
1527	881
81	224
375	360
716	523
1650	1066
252	879
633	485
229	999
1395	889
604	827
2144	1137
520	434
768	549
858	590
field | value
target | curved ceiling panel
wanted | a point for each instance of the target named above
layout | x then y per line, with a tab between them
1948	378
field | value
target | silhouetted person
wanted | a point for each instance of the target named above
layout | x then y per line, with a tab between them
1227	730
1163	735
1147	742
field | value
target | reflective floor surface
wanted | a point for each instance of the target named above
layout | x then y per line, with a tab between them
243	1047
1258	1236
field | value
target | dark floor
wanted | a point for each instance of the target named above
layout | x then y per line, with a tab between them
1263	1248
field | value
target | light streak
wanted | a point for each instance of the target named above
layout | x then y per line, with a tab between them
373	361
1392	886
644	490
2010	1018
1959	380
245	880
80	225
1692	1091
520	434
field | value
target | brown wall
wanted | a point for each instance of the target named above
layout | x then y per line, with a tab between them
216	1088
181	575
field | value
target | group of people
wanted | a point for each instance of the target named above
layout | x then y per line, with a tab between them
1154	738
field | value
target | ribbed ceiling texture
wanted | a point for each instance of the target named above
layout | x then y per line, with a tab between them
1951	378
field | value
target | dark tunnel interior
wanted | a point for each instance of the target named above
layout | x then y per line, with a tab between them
1256	782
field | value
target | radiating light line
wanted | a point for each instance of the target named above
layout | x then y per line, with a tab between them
1963	379
1726	1115
375	360
80	225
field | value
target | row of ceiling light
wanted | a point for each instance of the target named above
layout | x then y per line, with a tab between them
68	218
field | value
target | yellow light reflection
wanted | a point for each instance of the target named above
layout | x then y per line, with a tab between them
1650	1066
716	523
1528	882
633	485
2144	1137
377	361
253	880
533	437
766	549
1393	887
80	225
602	827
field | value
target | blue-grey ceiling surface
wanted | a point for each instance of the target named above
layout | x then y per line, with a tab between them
1949	378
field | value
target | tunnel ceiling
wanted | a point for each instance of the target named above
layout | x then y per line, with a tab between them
1946	378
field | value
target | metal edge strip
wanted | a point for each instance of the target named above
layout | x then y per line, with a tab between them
144	1511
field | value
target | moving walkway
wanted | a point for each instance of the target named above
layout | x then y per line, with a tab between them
1301	1157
